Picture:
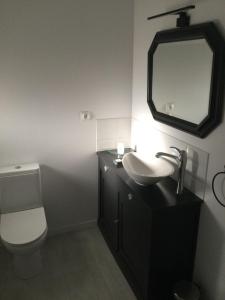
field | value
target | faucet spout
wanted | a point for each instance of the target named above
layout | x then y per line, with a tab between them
181	159
159	154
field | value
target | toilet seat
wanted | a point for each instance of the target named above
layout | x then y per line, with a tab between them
23	227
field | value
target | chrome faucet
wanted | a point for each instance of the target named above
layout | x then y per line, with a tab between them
181	159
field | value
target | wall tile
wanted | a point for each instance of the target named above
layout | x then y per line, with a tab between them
148	143
111	131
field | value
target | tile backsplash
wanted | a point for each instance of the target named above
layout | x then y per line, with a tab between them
196	170
132	132
150	142
109	132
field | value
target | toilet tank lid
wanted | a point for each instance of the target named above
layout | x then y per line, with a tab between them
19	169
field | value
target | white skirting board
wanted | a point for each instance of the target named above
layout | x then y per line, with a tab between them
69	228
72	227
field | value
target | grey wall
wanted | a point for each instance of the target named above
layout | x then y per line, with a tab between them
58	58
210	259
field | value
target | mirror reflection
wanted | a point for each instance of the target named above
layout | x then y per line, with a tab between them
181	79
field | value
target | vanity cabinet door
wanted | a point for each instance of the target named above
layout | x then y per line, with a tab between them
108	204
134	238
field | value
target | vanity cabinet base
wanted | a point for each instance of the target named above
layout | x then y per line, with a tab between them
151	231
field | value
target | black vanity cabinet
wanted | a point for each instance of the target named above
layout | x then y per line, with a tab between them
150	231
108	203
134	238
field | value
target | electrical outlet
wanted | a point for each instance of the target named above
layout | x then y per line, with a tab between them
85	115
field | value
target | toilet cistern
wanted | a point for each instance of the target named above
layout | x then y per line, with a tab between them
23	226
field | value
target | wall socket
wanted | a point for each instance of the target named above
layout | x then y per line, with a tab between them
85	115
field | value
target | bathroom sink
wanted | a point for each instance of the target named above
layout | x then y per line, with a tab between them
146	172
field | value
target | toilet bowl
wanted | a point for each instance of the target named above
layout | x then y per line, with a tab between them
22	230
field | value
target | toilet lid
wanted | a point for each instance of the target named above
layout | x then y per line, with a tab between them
23	227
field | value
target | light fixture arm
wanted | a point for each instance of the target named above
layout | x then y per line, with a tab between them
183	19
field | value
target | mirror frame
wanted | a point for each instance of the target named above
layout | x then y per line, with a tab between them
210	33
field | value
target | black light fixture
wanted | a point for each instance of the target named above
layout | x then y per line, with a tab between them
183	19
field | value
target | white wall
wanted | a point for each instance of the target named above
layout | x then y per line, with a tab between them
210	259
58	58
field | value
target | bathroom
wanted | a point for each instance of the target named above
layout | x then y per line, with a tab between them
62	58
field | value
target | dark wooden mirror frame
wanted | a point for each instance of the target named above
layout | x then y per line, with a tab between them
210	33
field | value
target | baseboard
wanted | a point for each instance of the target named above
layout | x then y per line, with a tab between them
72	227
69	228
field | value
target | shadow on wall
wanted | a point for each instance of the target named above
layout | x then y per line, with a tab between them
194	169
210	256
68	200
195	175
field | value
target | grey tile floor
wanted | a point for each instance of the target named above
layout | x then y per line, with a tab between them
77	266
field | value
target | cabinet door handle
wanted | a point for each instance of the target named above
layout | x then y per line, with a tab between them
130	196
116	221
106	168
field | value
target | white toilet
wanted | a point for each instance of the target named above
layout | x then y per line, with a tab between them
23	226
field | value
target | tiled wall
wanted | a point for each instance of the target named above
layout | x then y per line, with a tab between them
136	133
112	131
150	142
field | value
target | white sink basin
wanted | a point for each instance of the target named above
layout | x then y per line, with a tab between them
146	172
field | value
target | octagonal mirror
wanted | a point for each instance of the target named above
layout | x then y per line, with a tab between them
186	78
